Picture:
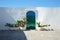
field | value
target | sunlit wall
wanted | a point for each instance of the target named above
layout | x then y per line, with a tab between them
46	15
49	15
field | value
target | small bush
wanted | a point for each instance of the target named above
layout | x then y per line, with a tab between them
9	24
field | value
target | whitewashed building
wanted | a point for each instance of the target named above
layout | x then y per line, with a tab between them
45	15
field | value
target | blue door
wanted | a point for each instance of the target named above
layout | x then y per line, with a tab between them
30	15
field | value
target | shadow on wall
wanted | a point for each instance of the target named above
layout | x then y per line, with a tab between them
12	35
5	18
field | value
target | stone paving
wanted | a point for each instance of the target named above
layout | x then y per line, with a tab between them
29	35
42	35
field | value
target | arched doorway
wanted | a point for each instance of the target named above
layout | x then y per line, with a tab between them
30	15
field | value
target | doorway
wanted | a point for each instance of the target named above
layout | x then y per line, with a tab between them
30	15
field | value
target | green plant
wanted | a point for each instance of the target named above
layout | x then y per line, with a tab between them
25	20
22	22
9	24
39	25
19	23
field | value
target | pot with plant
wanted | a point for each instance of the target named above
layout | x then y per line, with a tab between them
21	23
40	26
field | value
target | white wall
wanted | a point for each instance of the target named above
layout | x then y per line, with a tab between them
10	15
49	16
45	14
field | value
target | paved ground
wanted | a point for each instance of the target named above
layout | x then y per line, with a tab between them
42	35
30	35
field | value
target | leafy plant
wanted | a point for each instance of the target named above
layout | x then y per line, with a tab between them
19	23
9	24
39	25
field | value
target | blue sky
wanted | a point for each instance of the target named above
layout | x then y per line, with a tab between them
29	3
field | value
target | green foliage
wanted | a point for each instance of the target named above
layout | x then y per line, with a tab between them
9	24
25	20
38	23
21	23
